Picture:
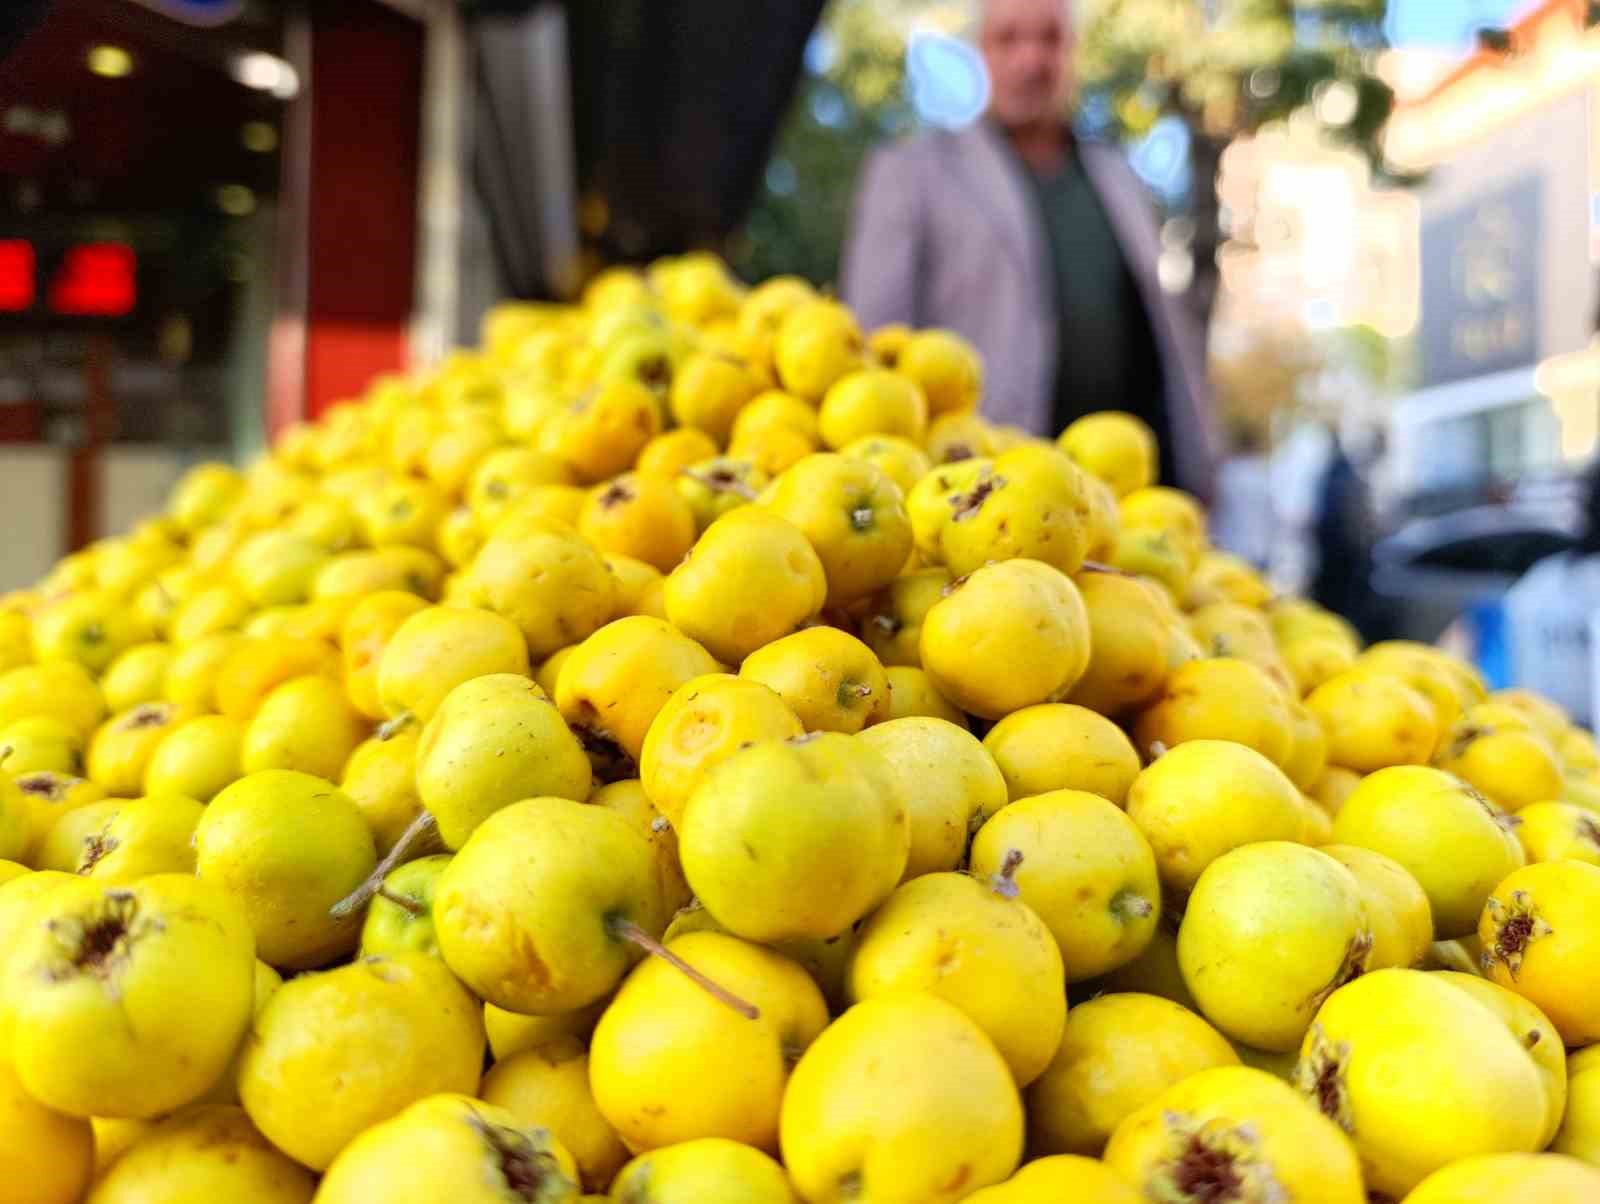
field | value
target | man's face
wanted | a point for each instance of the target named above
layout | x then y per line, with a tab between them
1026	44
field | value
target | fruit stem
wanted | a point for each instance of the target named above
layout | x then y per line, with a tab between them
394	725
400	901
1004	883
627	930
5	753
423	827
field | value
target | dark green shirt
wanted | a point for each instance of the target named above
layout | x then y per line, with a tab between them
1107	358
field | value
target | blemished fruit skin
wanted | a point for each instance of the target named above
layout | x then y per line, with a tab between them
1373	1040
1270	931
1118	1052
549	1087
1234	1125
1540	934
901	1099
452	1147
1219	699
315	1040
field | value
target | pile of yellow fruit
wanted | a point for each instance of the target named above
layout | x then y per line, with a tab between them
681	753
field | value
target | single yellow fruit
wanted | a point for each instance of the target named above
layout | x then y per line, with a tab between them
1118	1052
1234	1130
703	1172
1118	448
873	401
829	834
1452	840
670	452
1205	798
1218	699
1058	746
1374	719
495	740
306	725
1559	832
828	678
400	917
1271	930
60	689
276	568
974	944
853	516
1397	907
379	777
1541	938
1378	1037
288	846
599	434
547	580
90	628
89	988
197	759
1513	766
817	342
752	578
511	1033
450	1147
892	627
706	721
1307	761
539	910
435	650
933	500
123	747
911	693
152	835
664	1038
202	1155
1030	503
549	1087
946	779
1086	870
902	1099
42	743
904	462
640	516
315	1040
1128	657
191	679
136	676
1011	635
946	366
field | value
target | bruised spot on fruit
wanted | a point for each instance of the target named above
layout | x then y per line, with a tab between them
99	946
956	452
1356	955
1004	883
616	494
93	633
527	1171
1515	928
655	372
1532	1038
1129	904
1320	1075
958	1180
966	505
609	759
497	488
850	693
850	1185
151	714
1589	831
46	785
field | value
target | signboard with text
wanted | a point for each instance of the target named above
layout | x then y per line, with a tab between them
1481	284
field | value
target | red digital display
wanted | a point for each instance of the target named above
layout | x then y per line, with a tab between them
17	289
96	280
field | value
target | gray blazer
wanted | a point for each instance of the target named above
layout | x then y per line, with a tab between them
945	233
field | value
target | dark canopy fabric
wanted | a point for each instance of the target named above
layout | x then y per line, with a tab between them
17	19
674	108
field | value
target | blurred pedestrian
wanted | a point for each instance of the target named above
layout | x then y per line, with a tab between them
1038	246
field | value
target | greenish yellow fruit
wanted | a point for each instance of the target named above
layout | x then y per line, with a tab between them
203	1155
400	917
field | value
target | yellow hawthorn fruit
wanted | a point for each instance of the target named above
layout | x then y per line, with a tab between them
872	401
288	846
714	486
1205	798
546	579
708	391
1557	832
817	342
549	1087
1058	746
306	724
1373	720
601	432
946	367
670	452
752	578
1029	502
136	676
1011	635
695	1172
1453	841
1234	1129
1541	938
256	667
1374	1039
1063	1177
829	678
902	1099
1271	929
935	498
1513	766
1307	761
364	636
48	1155
315	1040
123	747
639	516
912	693
88	627
664	1036
1218	699
89	986
1083	866
892	626
829	833
201	1154
1127	641
1579	1135
904	462
1118	448
434	650
1118	1052
1509	1179
379	779
706	721
60	690
946	779
42	743
972	943
852	514
503	476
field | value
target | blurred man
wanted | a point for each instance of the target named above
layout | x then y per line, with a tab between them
1038	247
